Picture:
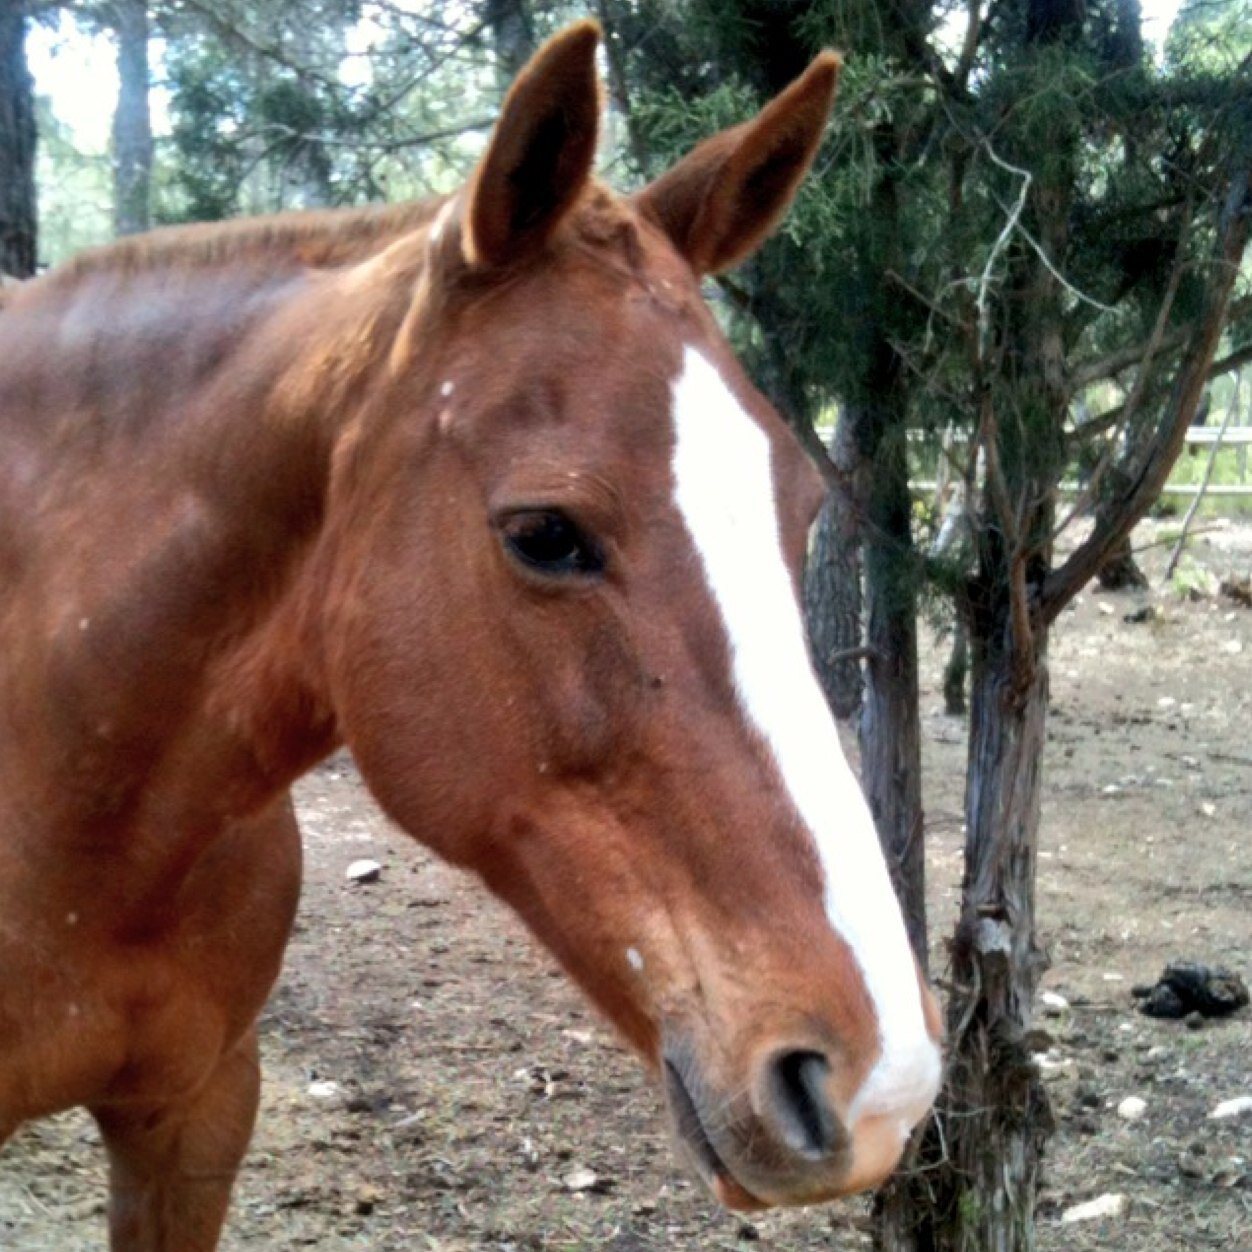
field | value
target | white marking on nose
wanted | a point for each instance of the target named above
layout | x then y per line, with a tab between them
724	489
634	960
447	388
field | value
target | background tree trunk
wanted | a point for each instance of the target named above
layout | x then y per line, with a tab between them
891	771
18	215
832	581
132	121
1120	572
513	34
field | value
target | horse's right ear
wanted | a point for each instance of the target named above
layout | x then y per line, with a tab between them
541	152
720	201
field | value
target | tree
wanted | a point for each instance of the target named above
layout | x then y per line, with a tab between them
18	229
132	119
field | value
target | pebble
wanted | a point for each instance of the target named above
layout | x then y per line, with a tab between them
1054	1002
1232	1108
1107	1205
363	871
1132	1109
581	1180
323	1089
366	1199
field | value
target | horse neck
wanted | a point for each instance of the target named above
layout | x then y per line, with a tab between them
172	662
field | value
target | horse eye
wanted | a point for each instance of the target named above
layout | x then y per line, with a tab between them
548	541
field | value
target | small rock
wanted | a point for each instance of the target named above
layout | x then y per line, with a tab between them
1108	1205
323	1089
1236	1107
1053	1002
1208	808
366	1199
1194	1020
1132	1109
1190	1167
582	1179
1107	609
1146	613
363	871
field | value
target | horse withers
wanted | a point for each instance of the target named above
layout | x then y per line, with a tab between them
475	488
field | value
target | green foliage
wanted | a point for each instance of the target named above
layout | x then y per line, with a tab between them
207	112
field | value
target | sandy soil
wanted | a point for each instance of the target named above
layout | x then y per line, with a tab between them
473	1089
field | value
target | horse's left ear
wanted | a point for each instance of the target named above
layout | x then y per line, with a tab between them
722	200
541	151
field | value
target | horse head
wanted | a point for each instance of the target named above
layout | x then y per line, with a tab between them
561	634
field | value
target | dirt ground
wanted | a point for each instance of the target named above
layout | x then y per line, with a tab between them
431	1082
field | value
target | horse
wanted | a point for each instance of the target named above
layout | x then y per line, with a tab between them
475	488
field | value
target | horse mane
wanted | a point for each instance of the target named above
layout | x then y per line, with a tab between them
316	239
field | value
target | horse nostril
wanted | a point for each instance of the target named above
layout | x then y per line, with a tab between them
796	1087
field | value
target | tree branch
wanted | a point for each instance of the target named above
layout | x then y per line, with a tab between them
1161	450
1111	418
1113	363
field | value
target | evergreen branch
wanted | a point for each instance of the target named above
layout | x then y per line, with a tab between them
231	30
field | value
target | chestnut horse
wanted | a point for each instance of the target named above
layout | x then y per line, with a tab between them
476	489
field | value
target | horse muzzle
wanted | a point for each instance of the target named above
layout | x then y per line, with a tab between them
781	1138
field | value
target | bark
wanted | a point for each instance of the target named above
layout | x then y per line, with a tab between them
890	716
994	1093
18	217
832	582
132	121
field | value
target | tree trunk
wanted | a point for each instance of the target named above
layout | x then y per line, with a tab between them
132	121
513	32
956	670
994	1091
832	582
890	716
1119	571
18	233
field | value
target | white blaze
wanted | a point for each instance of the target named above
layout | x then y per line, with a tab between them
724	489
